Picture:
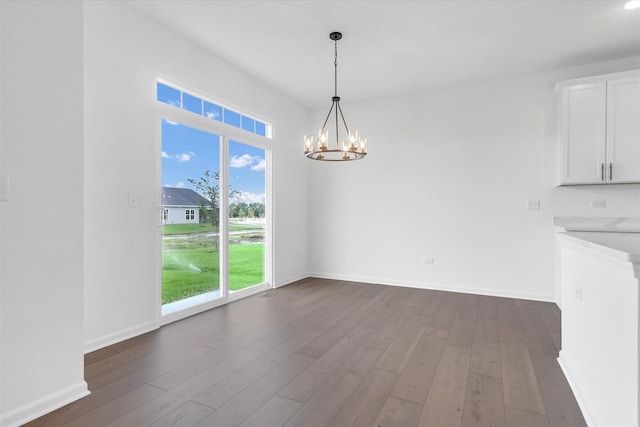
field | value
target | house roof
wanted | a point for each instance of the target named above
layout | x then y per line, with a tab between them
172	196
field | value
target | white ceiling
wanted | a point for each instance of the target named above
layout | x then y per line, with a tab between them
397	46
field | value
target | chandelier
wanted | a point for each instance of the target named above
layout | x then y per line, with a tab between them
353	148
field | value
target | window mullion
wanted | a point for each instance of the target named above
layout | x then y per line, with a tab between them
269	260
224	216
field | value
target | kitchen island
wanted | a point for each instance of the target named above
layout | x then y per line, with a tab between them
599	280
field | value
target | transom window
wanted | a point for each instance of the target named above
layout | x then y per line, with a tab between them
199	105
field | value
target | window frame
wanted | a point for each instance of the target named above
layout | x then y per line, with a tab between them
226	133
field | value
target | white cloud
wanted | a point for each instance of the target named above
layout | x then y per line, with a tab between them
180	184
242	161
259	166
257	163
249	197
164	155
185	157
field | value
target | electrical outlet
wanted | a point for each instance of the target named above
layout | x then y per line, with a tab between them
579	294
426	260
598	204
533	205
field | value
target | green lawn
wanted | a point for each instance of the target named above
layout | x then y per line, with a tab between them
191	268
246	265
188	272
235	226
173	229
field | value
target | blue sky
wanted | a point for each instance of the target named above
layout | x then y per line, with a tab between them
188	153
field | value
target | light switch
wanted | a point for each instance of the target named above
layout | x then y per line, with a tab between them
4	188
533	205
135	200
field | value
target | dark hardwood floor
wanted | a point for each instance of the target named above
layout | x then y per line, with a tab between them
331	353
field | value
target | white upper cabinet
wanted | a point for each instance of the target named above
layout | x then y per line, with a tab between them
623	130
599	132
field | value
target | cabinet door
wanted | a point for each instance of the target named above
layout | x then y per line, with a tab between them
583	133
623	130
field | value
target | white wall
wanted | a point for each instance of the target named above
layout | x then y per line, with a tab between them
2	196
448	177
1	200
124	55
41	223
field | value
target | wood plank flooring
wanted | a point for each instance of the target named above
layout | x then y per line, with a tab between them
334	353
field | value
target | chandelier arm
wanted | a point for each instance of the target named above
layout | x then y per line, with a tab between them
328	115
337	138
343	120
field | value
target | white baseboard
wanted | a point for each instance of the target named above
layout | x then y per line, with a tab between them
291	280
576	392
44	405
119	336
439	287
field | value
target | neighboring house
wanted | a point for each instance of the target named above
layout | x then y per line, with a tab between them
180	206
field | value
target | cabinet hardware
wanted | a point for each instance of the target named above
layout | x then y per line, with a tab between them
610	171
602	171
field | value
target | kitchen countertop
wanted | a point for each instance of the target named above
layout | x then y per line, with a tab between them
617	237
610	224
623	246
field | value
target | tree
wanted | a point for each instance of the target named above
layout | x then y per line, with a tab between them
209	188
238	210
257	210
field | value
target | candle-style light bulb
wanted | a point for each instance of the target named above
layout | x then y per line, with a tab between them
353	139
324	137
308	142
363	144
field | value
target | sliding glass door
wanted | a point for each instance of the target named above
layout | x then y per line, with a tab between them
213	216
190	215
